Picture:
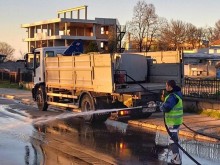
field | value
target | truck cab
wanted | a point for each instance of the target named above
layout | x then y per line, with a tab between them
35	61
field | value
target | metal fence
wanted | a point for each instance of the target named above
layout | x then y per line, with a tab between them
15	77
204	89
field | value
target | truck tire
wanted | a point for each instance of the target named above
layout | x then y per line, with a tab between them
41	99
101	117
87	105
101	105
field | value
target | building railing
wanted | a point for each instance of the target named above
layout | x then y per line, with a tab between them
204	89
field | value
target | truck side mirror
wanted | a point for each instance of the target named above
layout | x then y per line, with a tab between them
26	60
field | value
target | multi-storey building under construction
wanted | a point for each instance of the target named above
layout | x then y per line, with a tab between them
64	29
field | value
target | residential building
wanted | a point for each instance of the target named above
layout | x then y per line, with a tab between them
215	47
64	29
199	63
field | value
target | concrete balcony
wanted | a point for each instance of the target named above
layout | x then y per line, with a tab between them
44	37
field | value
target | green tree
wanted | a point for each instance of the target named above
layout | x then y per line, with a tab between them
112	45
92	47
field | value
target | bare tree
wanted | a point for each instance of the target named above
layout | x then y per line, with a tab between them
191	35
209	34
21	55
202	39
143	24
216	31
7	50
155	32
174	34
194	36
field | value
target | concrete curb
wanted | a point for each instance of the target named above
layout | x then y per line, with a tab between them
162	128
12	97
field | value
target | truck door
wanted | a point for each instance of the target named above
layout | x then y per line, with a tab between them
38	68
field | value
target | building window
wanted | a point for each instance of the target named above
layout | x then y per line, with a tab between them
102	30
102	45
211	51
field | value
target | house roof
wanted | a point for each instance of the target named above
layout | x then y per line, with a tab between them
201	56
2	55
13	66
216	42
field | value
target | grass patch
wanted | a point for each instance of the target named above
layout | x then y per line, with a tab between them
7	84
211	113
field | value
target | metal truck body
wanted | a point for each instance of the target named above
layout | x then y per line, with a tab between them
99	81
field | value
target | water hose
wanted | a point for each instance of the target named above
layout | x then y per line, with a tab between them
214	137
145	89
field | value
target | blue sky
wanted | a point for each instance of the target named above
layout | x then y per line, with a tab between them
16	12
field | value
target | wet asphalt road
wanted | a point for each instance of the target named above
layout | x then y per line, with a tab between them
23	141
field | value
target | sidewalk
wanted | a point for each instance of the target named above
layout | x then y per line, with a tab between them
199	123
24	96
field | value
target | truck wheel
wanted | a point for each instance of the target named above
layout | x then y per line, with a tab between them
41	99
102	117
86	106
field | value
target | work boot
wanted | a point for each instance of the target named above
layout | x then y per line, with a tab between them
176	159
172	163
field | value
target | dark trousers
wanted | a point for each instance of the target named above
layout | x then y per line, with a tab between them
174	130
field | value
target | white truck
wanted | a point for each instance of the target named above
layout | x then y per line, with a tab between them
85	82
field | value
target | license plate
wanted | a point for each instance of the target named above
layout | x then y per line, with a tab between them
148	110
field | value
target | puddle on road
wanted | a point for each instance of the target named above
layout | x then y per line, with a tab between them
203	152
15	146
15	124
116	139
22	121
129	145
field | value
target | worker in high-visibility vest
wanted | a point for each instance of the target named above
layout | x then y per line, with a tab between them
173	109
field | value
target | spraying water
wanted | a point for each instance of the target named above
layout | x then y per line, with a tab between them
26	118
65	115
20	124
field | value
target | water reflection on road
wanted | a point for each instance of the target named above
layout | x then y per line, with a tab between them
205	153
71	141
110	143
114	143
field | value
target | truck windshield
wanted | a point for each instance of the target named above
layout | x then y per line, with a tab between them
32	60
49	54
